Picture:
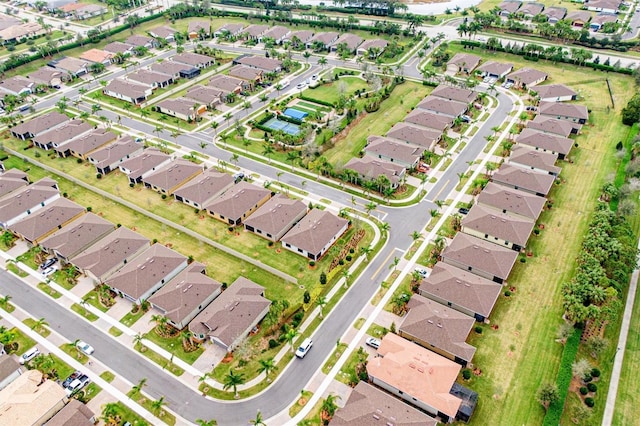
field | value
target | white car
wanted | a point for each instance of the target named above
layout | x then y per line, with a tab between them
29	355
422	272
304	348
314	77
84	347
50	270
301	86
373	342
77	384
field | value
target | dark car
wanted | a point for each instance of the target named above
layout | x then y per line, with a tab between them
71	378
48	262
463	210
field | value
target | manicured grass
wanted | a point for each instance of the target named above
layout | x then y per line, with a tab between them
107	376
82	311
71	350
126	414
7	306
24	342
90	391
377	331
300	403
163	415
312	106
114	331
403	288
331	91
158	359
61	368
48	290
348	374
335	356
130	318
174	345
358	324
92	298
40	329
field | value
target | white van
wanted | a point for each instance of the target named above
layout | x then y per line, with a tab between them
29	355
284	83
304	348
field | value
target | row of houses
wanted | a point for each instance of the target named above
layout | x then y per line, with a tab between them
81	11
529	10
14	30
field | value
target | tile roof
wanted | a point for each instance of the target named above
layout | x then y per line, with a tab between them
481	255
27	198
64	133
47	218
75	413
40	123
551	125
147	160
71	65
465	60
237	200
169	67
138	40
371	168
244	72
276	215
492	222
205	94
548	141
182	106
205	186
193	59
303	35
350	40
551	91
529	180
400	152
162	31
29	398
16	84
44	75
11	180
420	136
231	28
564	110
127	88
531	8
497	68
173	174
374	43
443	106
510	6
149	77
527	75
114	152
579	15
255	30
276	32
22	30
315	231
513	201
530	157
118	47
78	235
428	119
455	93
89	142
225	82
267	64
96	55
8	366
325	38
196	26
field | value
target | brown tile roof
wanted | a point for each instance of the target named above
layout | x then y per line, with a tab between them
64	133
75	413
455	93
114	152
552	91
442	106
205	94
173	174
513	201
16	84
78	235
563	110
375	43
169	67
47	219
487	220
430	323
96	55
416	371
231	314
193	59
147	160
579	15
146	270
127	88
110	251
149	77
371	168
315	231
11	180
244	72
185	292
255	30
40	123
184	106
276	32
325	38
237	200
225	82
351	40
531	8
44	75
370	405
527	75
231	28
551	125
509	6
138	40
548	141
481	255
303	35
497	68
196	26
520	178
162	31
205	187
428	119
267	64
27	198
71	65
555	12
420	136
276	216
530	157
400	152
467	60
90	142
470	291
118	47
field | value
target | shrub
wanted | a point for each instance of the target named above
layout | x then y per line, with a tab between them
312	263
584	390
196	211
592	387
341	262
478	329
272	343
352	250
230	229
590	402
595	373
507	293
99	176
348	258
164	196
79	161
554	412
523	260
306	297
270	243
131	185
323	278
466	374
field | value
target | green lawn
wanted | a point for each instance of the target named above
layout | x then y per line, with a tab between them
159	359
148	404
92	298
107	376
24	342
48	290
40	329
82	311
334	357
130	318
331	91
174	345
71	350
125	414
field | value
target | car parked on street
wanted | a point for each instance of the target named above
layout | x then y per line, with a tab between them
84	347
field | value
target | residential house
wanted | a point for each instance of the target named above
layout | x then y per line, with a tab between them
61	134
463	291
109	157
232	315
237	203
372	48
47	76
151	78
553	125
525	180
299	39
599	21
253	32
546	142
555	93
38	125
497	227
97	56
252	75
183	108
147	273
533	159
387	149
137	40
438	328
417	375
275	217
463	63
444	106
140	166
172	176
164	32
229	29
512	201
349	41
508	8
529	9
12	180
17	86
73	66
128	91
326	40
9	370
205	95
555	14
26	200
607	6
524	78
367	404
84	145
199	29
420	136
579	18
202	189
45	221
75	413
175	69
7	21
276	33
259	62
100	260
430	120
229	84
315	234
76	236
186	295
31	400
119	47
194	60
370	169
457	94
495	69
18	33
82	11
480	257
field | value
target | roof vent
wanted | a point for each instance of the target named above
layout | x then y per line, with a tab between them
412	365
430	321
231	308
377	417
439	325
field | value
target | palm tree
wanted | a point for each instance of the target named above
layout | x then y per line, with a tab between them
267	366
366	250
268	151
369	207
206	422
290	336
258	421
4	300
232	380
321	302
322	62
292	156
160	320
346	275
394	264
142	383
214	125
329	405
157	405
39	324
415	235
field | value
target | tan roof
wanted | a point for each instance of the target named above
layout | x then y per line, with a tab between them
375	43
96	55
47	219
237	200
22	30
369	405
205	187
196	26
511	200
127	88
118	47
430	323
90	142
470	291
244	72
205	94
551	125
40	123
147	160
315	231
481	255
225	82
114	152
138	40
420	136
303	35
531	8
26	198
276	32
563	110
509	6
255	30
267	64
465	60
184	106
16	84
7	21
529	180
72	65
487	220
146	270
70	7
579	15
324	38
371	168
530	157
169	67
29	400
64	133
231	28
493	67
149	77
172	174
110	251
351	40
443	106
162	31
416	371
605	4
8	366
276	215
75	413
44	75
231	314
553	91
548	141
429	119
604	17
193	59
185	292
11	180
78	235
455	93
527	75
400	152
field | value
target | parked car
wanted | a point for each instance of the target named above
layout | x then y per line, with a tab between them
304	348
71	378
84	347
314	77
463	210
29	355
300	86
373	342
465	118
50	270
77	384
48	262
422	272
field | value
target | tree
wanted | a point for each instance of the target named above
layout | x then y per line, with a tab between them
548	394
631	113
321	302
290	336
232	380
157	404
366	250
369	207
39	324
141	384
329	405
292	156
581	368
394	264
597	345
267	151
258	421
415	235
267	366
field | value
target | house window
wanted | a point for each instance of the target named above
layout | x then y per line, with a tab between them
299	250
486	235
287	245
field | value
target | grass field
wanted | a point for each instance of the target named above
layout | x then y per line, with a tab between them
331	91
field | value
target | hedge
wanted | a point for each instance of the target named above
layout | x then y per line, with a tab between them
554	413
317	101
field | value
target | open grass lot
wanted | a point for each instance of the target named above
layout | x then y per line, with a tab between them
331	91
